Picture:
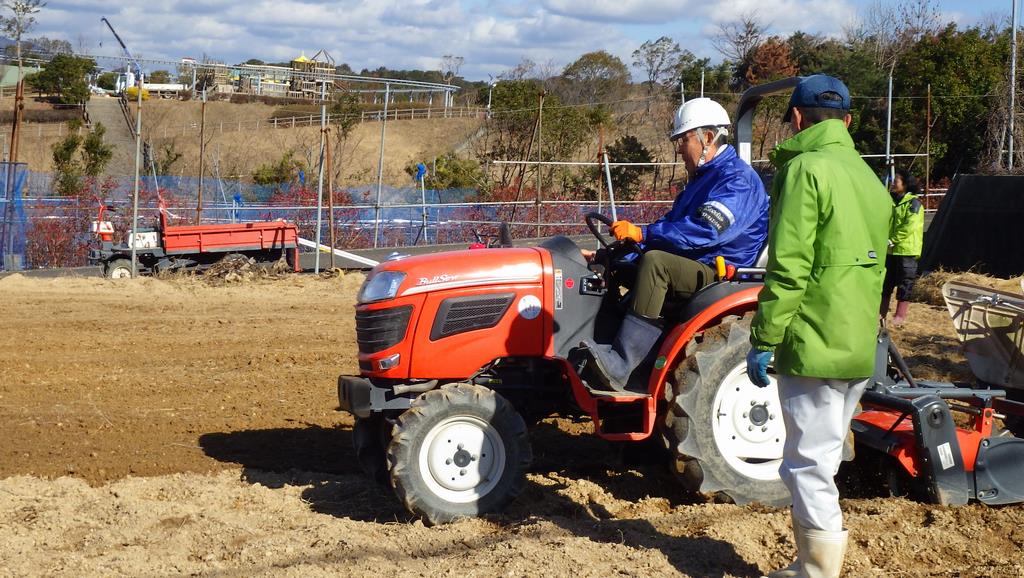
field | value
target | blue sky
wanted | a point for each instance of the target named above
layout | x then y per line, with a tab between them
491	35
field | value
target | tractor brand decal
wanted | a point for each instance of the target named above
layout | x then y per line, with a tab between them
443	278
558	289
569	283
946	456
529	307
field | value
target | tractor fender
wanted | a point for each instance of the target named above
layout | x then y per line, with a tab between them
673	348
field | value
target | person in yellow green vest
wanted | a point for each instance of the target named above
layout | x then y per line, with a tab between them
906	234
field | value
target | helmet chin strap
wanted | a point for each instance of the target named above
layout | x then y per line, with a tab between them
719	131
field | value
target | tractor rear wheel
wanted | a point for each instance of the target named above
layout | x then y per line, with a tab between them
117	269
370	438
459	451
726	434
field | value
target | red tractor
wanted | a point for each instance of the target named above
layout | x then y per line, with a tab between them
460	351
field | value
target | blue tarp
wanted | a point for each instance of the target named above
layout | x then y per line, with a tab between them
12	216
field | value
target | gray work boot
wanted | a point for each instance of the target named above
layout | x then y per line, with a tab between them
614	363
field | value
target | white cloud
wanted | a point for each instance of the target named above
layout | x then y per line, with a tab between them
492	35
645	11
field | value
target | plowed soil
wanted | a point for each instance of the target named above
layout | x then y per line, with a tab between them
164	427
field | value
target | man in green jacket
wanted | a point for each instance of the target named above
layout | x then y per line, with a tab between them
818	310
906	235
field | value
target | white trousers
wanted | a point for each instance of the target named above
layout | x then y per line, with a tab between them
817	414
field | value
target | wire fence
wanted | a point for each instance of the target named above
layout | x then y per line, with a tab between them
55	231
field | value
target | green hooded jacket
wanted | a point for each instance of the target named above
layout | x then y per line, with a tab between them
827	241
906	228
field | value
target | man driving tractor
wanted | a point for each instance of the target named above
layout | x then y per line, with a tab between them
722	211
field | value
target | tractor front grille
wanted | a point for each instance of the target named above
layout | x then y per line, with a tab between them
460	314
380	329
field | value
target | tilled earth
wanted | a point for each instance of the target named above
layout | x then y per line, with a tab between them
171	426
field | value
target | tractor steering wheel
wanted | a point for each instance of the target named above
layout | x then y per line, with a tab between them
590	219
613	253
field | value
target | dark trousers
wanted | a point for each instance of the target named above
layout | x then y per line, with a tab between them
900	274
663	274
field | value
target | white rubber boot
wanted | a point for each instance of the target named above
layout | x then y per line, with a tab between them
822	553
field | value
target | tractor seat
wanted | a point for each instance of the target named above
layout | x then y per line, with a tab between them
679	311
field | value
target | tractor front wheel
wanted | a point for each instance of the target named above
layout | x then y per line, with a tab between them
726	433
459	451
117	269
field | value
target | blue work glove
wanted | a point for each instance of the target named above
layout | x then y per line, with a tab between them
757	366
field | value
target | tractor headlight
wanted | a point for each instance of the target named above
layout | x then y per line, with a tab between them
382	286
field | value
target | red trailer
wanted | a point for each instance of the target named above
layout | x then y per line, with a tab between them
169	247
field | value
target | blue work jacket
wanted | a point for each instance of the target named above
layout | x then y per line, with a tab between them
722	211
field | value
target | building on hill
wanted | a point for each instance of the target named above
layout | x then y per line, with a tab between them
309	74
264	80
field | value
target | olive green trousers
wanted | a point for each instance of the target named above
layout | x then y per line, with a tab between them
664	275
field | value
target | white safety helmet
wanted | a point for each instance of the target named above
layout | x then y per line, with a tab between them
697	113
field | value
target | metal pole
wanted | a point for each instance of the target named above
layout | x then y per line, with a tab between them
320	178
330	195
138	162
423	207
889	168
611	192
540	148
1013	80
202	158
600	152
682	93
380	166
702	82
928	148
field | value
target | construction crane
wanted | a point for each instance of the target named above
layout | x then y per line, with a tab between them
127	53
138	146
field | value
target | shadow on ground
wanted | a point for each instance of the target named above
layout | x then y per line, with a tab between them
323	459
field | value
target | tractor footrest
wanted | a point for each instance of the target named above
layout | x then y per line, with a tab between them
623	415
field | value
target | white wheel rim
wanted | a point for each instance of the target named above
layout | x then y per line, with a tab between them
747	425
462	459
120	273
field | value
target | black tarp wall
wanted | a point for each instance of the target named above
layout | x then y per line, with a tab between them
979	226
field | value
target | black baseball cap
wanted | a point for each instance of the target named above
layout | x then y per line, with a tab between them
809	93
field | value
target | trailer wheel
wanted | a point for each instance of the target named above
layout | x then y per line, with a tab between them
117	269
459	451
726	434
370	437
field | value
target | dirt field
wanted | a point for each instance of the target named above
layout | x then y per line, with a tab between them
158	427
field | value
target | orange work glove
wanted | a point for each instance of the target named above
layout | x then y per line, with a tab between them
626	230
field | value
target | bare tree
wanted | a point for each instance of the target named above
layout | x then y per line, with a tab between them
23	20
737	40
656	59
889	29
450	66
525	69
